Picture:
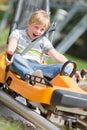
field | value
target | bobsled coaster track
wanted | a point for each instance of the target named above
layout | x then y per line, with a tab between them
26	113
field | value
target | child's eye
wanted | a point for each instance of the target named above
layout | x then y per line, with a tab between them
42	29
36	27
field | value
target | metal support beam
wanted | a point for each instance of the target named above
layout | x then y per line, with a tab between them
75	33
17	15
6	15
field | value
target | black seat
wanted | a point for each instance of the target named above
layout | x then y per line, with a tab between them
67	98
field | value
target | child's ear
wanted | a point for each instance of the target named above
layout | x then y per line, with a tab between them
28	23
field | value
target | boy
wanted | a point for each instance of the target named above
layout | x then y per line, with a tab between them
32	60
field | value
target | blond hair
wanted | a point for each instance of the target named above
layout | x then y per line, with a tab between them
40	17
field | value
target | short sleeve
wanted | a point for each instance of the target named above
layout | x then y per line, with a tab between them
47	45
14	34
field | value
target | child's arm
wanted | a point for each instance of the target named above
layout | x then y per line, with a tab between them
59	58
12	44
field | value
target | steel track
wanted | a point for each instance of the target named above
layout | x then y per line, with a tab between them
9	114
25	113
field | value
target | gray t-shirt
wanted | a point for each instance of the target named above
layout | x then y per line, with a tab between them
34	53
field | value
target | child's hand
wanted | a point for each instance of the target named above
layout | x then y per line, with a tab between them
9	58
8	62
79	77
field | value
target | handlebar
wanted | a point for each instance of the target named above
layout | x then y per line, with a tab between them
65	64
9	56
83	72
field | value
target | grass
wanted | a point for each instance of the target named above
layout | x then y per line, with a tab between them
79	62
3	36
9	124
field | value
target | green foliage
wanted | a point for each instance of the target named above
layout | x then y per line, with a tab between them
80	63
6	124
3	36
1	14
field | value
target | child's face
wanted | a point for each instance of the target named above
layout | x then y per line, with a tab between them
35	30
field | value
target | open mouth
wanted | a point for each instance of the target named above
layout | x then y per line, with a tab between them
35	35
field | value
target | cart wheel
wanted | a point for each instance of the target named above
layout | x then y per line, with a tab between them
30	105
65	64
43	114
1	86
70	125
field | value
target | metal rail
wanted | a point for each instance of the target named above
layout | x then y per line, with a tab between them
26	113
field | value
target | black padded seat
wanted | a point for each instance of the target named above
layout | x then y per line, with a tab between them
67	98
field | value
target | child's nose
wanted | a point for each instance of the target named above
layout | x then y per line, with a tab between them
38	31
